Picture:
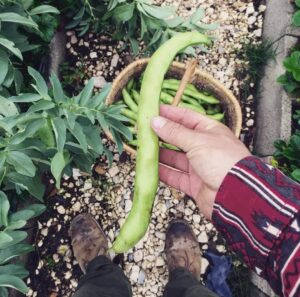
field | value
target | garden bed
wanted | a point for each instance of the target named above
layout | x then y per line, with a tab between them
107	193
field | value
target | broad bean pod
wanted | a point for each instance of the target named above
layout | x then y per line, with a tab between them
146	177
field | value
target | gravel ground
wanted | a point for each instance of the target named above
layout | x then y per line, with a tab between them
107	194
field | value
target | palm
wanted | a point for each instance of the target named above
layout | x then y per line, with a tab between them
183	178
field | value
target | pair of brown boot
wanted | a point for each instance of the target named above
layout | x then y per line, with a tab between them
181	247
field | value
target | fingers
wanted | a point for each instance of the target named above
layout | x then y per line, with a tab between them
175	133
175	179
174	159
188	118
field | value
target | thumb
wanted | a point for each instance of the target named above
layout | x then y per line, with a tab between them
174	133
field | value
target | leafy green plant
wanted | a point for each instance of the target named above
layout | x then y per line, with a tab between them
296	116
296	16
85	15
287	156
257	56
136	20
17	21
55	133
291	79
141	20
12	246
72	77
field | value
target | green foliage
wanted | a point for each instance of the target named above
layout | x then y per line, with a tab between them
296	16
85	15
18	21
136	20
287	155
55	133
291	79
11	246
296	116
72	77
257	55
141	20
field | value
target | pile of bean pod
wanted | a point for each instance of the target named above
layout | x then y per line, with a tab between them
192	98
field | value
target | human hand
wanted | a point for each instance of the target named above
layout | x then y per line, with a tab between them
210	150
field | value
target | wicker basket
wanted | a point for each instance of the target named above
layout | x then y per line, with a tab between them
202	80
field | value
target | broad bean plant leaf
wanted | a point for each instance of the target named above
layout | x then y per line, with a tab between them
57	165
287	155
54	134
13	282
11	245
292	64
20	22
42	9
296	19
4	208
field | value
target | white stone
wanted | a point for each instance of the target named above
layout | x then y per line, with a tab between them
159	261
61	210
87	185
74	283
167	192
250	123
258	32
114	60
223	62
68	275
55	258
44	232
99	81
93	55
138	256
224	15
262	8
76	206
250	9
188	212
128	205
221	248
134	273
196	218
141	277
251	20
160	235
204	265
202	237
73	39
113	171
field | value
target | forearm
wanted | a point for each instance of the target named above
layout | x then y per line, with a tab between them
257	211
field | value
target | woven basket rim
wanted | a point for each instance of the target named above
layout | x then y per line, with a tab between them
218	85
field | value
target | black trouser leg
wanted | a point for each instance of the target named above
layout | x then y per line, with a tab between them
103	279
183	284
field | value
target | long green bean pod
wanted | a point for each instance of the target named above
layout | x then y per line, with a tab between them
146	177
192	93
198	108
217	116
169	146
168	99
185	98
176	82
129	114
135	95
129	85
129	101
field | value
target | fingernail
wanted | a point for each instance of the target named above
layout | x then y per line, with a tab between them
158	122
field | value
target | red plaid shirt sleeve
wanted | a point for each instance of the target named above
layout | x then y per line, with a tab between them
257	210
